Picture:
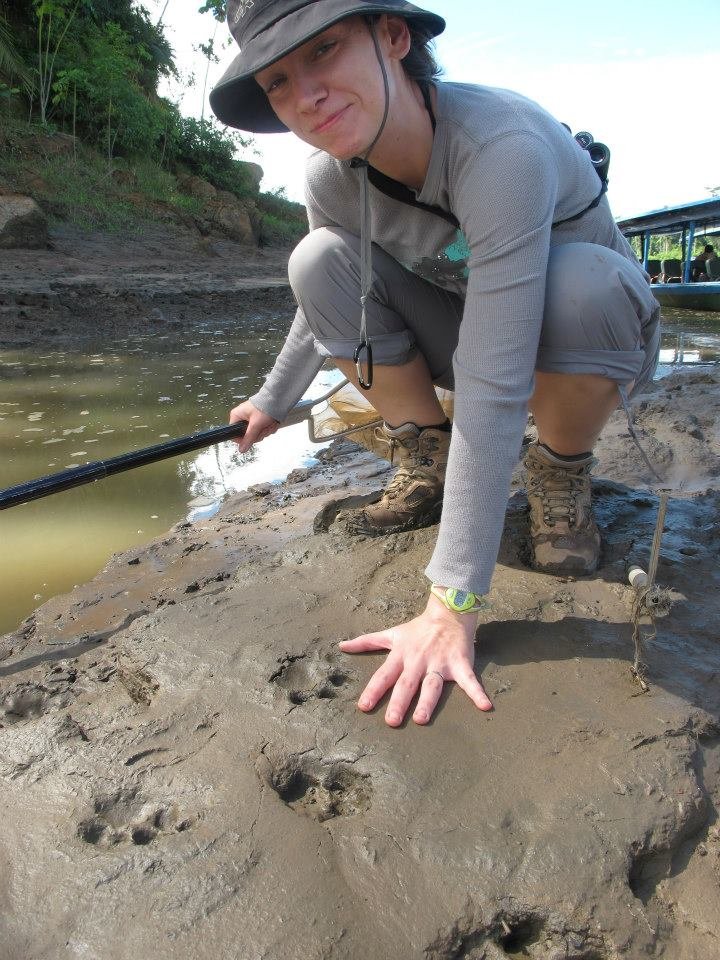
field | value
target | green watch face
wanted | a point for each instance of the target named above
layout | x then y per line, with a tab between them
460	600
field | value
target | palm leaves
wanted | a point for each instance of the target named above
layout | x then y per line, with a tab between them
11	64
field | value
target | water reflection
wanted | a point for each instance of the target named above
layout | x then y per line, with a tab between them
689	338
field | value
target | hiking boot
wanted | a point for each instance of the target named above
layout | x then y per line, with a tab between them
563	534
413	498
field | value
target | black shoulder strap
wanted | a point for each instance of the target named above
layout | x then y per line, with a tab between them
398	191
590	206
425	88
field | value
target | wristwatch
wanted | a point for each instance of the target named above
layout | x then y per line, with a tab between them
459	601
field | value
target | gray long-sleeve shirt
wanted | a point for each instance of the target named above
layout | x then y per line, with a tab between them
507	170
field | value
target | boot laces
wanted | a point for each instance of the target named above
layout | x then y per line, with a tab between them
559	490
411	462
392	442
411	445
399	482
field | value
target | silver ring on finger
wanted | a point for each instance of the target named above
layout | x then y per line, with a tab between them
437	674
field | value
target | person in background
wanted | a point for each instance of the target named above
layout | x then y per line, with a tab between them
496	269
698	271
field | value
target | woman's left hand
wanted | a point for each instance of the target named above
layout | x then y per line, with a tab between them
424	652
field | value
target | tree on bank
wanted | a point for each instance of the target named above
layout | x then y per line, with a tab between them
92	67
218	8
12	67
54	19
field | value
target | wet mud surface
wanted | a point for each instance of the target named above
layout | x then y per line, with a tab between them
184	771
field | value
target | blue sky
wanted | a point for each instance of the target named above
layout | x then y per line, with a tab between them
643	77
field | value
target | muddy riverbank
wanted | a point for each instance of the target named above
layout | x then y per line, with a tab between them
184	771
86	284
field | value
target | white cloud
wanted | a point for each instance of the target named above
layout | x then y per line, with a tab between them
664	147
282	157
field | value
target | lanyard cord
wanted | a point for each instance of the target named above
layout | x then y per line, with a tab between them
425	90
362	164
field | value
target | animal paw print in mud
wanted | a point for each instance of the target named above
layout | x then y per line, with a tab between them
29	701
304	678
124	817
26	701
315	788
62	683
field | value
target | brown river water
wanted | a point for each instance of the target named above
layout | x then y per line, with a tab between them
66	407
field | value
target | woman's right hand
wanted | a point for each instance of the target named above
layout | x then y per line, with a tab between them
259	425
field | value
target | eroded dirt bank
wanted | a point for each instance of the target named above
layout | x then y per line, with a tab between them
98	285
184	773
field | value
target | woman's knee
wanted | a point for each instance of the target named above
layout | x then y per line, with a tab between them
323	256
597	304
594	297
324	271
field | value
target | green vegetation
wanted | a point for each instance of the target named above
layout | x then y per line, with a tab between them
280	219
74	183
668	246
84	128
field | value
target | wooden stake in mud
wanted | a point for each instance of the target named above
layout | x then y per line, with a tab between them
649	602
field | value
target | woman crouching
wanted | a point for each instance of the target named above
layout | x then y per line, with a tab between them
496	270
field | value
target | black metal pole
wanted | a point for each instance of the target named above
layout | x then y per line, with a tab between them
77	476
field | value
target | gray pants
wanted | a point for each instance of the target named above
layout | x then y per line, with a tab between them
600	315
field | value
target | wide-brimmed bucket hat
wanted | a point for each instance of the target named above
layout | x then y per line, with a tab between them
266	30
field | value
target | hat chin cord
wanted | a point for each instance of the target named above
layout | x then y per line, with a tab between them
364	347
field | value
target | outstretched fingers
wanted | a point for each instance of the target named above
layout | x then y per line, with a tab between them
466	679
424	654
381	681
403	692
382	640
430	692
